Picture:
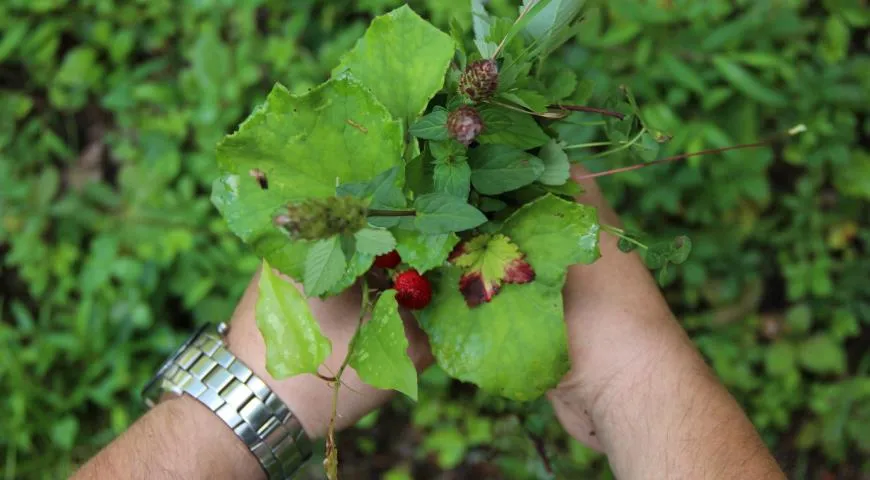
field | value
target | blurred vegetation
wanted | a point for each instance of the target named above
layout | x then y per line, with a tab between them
111	251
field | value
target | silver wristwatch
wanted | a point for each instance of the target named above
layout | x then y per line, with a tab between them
204	369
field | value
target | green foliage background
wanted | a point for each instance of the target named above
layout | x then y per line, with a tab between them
111	250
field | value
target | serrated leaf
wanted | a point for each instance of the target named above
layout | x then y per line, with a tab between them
446	151
488	261
402	58
424	252
294	341
302	145
358	264
514	346
453	178
444	213
432	126
554	233
509	127
500	168
557	167
380	350
374	241
324	266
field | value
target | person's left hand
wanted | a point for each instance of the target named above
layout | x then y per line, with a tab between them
310	397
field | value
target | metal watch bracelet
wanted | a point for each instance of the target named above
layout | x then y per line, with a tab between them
206	370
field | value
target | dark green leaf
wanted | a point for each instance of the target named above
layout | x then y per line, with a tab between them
681	248
529	99
745	82
432	126
500	168
563	85
509	127
557	168
445	213
453	178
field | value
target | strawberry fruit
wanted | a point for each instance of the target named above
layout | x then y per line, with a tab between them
413	291
388	260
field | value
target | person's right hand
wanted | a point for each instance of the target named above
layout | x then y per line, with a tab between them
638	389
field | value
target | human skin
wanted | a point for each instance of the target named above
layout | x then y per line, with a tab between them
638	391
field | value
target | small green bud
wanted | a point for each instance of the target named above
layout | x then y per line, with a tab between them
321	218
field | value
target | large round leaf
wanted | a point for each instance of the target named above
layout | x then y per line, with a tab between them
514	346
293	148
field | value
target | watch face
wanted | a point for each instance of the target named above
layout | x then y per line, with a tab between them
149	390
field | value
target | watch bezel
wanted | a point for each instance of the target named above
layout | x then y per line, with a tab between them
151	392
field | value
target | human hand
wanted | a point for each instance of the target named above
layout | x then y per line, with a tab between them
310	397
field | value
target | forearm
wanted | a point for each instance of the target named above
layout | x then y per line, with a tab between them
179	438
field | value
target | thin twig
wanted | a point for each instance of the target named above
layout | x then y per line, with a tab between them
392	213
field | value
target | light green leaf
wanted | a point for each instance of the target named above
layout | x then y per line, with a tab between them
557	167
746	83
374	241
402	59
453	178
481	23
303	145
432	126
514	346
500	168
509	127
554	234
780	359
550	27
380	351
444	213
822	354
424	252
324	266
563	85
294	342
359	264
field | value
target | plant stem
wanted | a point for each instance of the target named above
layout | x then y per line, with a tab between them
587	145
583	108
331	460
621	147
621	234
392	213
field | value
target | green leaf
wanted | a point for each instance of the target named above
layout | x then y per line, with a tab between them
529	99
626	246
647	148
380	349
402	59
500	168
509	127
324	266
489	204
432	126
489	261
656	256
554	234
358	264
64	432
550	26
481	23
557	167
681	248
822	354
302	145
294	342
780	359
563	85
374	241
746	83
445	213
530	10
453	178
424	252
514	346
447	151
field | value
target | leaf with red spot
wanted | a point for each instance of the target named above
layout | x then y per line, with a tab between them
488	261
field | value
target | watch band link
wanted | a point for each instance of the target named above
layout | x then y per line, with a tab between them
207	371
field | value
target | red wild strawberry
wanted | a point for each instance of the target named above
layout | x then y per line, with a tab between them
412	290
388	260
